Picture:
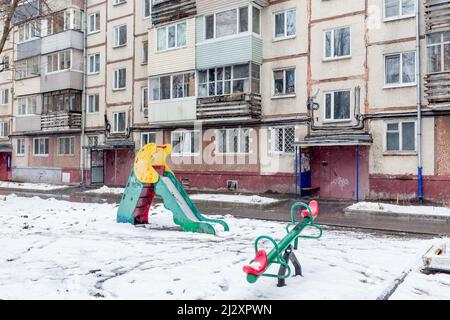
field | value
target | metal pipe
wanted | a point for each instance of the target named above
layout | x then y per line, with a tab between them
84	102
296	170
357	173
419	104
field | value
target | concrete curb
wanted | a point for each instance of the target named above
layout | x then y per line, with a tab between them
403	216
242	205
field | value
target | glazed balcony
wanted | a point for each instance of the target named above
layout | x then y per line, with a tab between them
236	107
438	89
61	121
437	15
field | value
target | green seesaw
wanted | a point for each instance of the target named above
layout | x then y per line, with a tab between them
282	252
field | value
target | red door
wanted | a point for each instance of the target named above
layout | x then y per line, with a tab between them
118	167
334	171
4	158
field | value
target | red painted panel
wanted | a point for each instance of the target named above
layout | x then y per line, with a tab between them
118	165
3	166
334	170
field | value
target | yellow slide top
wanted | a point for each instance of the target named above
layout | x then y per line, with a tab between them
151	156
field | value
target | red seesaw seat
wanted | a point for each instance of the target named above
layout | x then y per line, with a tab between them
259	265
314	205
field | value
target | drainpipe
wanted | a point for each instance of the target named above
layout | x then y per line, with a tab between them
84	97
419	105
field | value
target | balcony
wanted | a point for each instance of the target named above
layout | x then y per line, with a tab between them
236	107
61	121
437	15
27	11
172	10
438	89
29	49
69	39
62	80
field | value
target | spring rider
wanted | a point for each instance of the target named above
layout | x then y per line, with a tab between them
282	252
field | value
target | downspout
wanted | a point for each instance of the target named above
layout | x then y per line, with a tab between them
419	105
84	104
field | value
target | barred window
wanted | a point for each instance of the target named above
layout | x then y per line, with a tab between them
283	140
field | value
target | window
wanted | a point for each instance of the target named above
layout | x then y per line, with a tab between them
94	22
120	36
400	68
119	122
175	86
94	63
229	79
147	137
186	143
337	43
27	68
4	96
283	139
144	101
5	62
171	37
93	103
337	105
20	150
396	9
284	82
438	51
27	105
62	101
400	136
40	146
144	52
231	22
72	19
233	141
147	8
28	31
66	146
285	24
120	79
93	141
59	61
4	132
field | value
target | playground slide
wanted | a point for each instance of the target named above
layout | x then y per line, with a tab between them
185	212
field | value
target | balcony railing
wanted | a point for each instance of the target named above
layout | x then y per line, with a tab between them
172	10
438	89
234	107
60	121
437	14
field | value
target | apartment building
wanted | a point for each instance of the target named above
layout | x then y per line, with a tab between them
294	96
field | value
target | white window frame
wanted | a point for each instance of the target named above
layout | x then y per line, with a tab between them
71	146
171	87
116	79
284	94
90	66
401	15
27	28
4	97
272	135
441	44
147	134
20	147
400	138
285	36
41	154
188	133
58	54
116	122
240	135
27	106
4	129
94	29
143	96
145	52
333	56
401	83
166	28
97	106
332	119
144	4
116	36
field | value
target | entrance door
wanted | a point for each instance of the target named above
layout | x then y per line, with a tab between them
334	171
97	166
5	165
118	166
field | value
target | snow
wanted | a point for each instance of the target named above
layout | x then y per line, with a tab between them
233	198
390	208
30	186
62	250
107	190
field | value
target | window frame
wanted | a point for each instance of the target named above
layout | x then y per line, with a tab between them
95	55
116	36
227	141
272	136
400	138
333	57
274	29
97	105
400	84
97	16
166	28
441	44
41	154
148	135
332	93
401	15
148	3
71	146
116	79
4	97
115	115
4	130
19	152
284	94
186	97
183	153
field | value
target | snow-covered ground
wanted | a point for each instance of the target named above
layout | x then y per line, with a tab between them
30	186
390	208
233	198
107	190
59	249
